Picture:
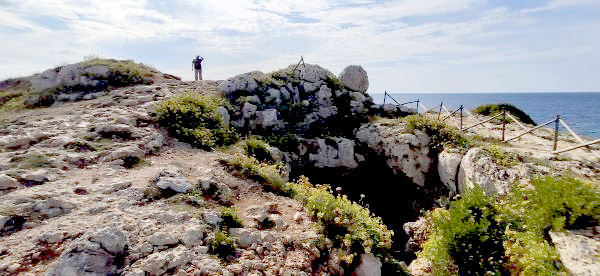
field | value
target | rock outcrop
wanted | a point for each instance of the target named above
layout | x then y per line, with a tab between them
405	153
479	169
298	100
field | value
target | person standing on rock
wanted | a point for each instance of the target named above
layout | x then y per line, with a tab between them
197	67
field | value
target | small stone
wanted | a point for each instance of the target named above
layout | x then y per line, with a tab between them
369	266
177	184
112	240
212	217
7	182
193	236
163	239
298	217
51	237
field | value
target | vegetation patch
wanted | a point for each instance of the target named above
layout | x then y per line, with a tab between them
501	157
220	243
482	235
194	119
494	109
258	149
442	135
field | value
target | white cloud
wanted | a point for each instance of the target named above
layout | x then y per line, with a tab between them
243	35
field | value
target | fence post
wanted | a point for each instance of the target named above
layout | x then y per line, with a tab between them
557	121
417	106
503	123
384	96
440	112
461	109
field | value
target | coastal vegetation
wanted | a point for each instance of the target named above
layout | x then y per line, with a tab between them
442	135
494	109
478	234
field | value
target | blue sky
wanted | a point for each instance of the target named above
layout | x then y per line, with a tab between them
405	45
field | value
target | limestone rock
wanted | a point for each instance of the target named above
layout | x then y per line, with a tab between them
578	253
369	266
477	168
212	217
242	82
193	236
246	237
448	163
406	154
324	154
162	239
129	151
178	184
7	182
159	262
112	240
354	77
50	207
102	255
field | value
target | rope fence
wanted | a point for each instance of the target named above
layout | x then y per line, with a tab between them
441	110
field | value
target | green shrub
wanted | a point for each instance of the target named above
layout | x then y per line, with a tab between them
442	135
493	109
479	233
333	82
271	175
230	218
547	204
258	149
221	244
194	119
466	235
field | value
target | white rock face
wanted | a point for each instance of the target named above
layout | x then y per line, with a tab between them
404	153
354	77
369	266
159	262
212	217
7	182
193	236
477	168
246	237
326	155
448	163
578	253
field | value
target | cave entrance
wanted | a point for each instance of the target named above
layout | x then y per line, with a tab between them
393	197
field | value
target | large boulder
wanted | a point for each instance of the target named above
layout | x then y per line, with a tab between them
479	169
355	78
101	254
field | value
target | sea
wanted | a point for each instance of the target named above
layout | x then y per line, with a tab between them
581	111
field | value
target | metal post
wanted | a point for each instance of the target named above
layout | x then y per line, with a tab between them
503	123
440	112
556	132
461	109
417	106
384	96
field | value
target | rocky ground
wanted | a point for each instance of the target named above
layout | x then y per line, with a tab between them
63	181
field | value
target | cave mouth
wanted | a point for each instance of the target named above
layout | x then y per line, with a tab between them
393	197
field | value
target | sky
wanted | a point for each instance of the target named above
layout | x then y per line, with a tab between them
404	45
